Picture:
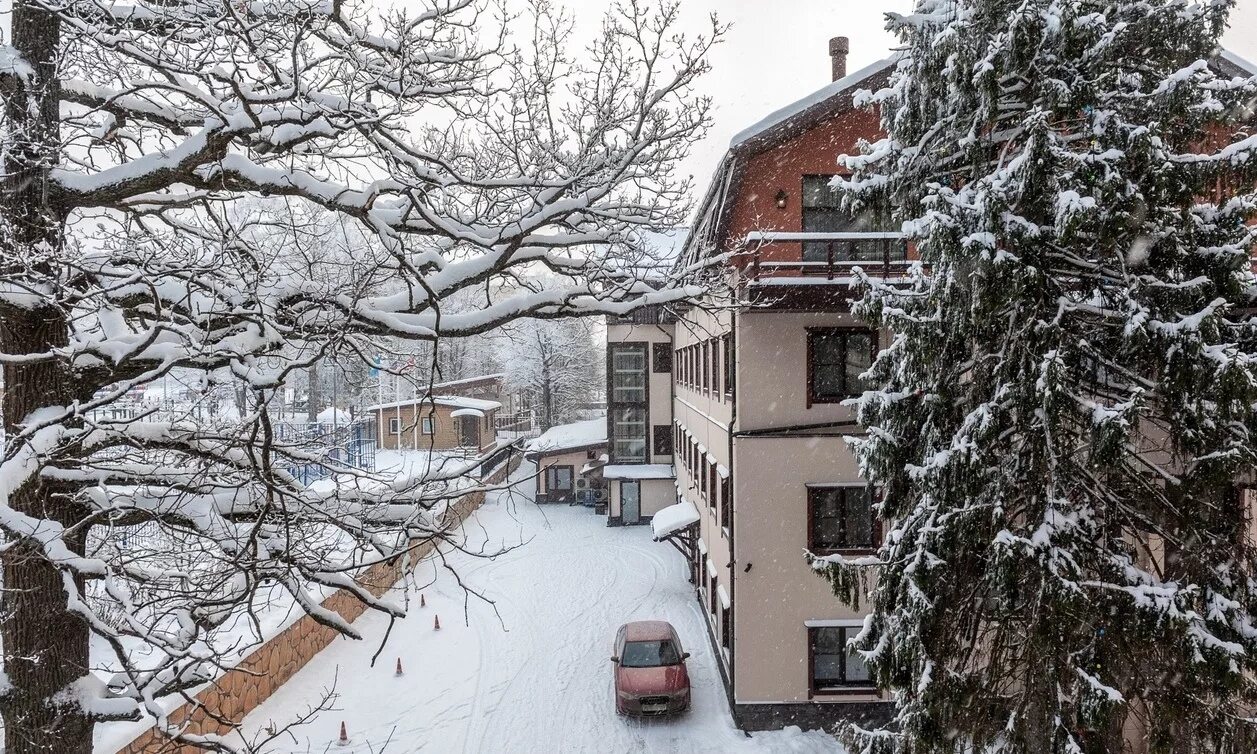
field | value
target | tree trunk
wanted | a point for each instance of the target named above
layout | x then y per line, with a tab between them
547	396
45	646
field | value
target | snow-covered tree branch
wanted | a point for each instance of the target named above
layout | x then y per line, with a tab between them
173	172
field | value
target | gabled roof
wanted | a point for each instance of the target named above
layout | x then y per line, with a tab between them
826	103
820	105
591	433
777	128
1230	64
451	401
466	381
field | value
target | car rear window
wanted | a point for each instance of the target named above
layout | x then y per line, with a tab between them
649	654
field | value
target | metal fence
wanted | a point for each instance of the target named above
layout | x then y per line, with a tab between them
351	444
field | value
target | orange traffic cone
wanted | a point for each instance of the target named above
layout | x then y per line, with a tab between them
399	667
436	623
422	601
344	735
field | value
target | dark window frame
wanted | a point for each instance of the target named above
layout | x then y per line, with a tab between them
863	250
728	356
726	629
551	476
815	333
843	686
726	504
875	523
716	356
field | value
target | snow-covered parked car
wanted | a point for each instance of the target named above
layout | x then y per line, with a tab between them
650	673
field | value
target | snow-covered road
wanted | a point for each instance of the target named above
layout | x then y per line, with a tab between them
528	672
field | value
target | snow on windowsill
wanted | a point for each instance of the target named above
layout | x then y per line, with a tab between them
638	471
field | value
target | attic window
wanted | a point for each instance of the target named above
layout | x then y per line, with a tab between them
823	213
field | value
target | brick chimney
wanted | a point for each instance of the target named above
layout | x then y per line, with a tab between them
838	48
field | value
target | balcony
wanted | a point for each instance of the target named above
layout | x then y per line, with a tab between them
783	257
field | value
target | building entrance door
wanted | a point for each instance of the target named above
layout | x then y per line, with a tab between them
630	502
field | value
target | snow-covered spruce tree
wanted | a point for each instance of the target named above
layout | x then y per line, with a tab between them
1068	395
151	149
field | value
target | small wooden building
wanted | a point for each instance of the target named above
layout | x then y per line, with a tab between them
569	460
443	422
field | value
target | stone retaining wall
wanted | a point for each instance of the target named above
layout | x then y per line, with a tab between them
238	691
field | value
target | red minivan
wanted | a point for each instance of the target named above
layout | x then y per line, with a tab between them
650	674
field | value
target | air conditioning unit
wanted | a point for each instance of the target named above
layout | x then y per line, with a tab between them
600	494
581	483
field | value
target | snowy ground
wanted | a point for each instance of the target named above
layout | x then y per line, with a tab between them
528	673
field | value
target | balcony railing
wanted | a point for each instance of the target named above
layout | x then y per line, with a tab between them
829	255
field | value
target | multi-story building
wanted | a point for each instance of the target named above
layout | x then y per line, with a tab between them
758	430
732	413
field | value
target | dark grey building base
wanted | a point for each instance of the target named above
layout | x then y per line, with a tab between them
812	715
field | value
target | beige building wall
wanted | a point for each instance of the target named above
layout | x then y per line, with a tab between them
576	459
660	383
780	593
705	416
656	495
772	370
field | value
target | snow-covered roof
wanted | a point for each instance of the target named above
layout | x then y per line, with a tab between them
674	518
331	415
638	471
594	465
470	380
798	107
466	412
570	436
1239	62
452	401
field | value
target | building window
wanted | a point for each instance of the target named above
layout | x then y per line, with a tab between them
628	373
663	440
628	434
712	484
836	358
427	426
833	667
840	518
394	425
726	503
558	478
726	629
823	213
661	357
716	356
728	355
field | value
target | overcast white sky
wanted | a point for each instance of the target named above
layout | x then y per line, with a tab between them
778	52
